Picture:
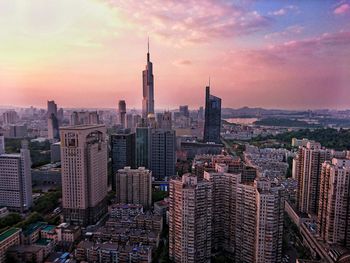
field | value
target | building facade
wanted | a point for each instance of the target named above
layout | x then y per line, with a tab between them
84	173
190	220
143	147
308	171
122	152
163	159
333	221
16	180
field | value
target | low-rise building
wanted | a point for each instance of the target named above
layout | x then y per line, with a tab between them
26	253
8	238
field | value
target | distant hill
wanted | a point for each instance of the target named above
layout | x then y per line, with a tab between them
258	112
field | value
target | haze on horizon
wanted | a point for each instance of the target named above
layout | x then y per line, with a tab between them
90	53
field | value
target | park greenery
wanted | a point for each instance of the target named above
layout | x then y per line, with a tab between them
47	202
329	138
39	151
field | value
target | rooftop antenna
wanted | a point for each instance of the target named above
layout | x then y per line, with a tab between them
209	81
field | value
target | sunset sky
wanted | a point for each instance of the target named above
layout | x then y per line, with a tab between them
90	53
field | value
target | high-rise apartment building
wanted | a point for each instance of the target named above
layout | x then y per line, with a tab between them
129	122
10	117
184	111
259	222
190	220
122	152
164	120
122	113
223	207
334	203
15	178
84	173
143	147
163	143
148	88
212	125
134	186
269	221
84	118
308	170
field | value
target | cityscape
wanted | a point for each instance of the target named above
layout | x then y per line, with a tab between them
247	160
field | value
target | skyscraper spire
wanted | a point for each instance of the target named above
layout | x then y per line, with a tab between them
209	82
148	49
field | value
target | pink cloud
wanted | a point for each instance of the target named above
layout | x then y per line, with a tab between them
342	9
182	62
289	31
185	22
285	10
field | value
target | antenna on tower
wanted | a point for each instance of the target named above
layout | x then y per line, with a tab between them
209	82
148	48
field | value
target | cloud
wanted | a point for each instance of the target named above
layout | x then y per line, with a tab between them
182	62
342	9
181	22
285	10
289	31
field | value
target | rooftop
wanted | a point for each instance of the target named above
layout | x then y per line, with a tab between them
49	228
43	241
6	234
83	127
33	227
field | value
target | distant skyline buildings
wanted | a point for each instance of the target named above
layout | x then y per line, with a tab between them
274	45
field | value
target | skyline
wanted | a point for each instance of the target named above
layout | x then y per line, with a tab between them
291	55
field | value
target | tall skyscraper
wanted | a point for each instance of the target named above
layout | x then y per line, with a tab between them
122	112
308	168
190	220
212	125
15	178
163	143
134	186
334	203
143	147
148	88
84	160
123	152
51	108
52	121
53	127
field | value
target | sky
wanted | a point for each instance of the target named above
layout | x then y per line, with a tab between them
91	53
